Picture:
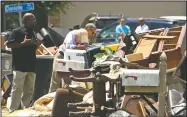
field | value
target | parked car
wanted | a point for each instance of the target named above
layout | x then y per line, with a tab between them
100	21
177	19
174	17
108	34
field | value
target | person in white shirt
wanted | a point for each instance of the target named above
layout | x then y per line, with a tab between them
142	27
75	39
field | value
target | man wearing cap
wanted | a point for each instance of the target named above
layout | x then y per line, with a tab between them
122	30
73	40
142	27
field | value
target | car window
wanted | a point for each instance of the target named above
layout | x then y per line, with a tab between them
101	23
181	22
132	25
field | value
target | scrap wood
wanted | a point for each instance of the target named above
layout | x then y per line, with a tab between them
130	104
150	110
161	43
132	65
147	49
46	49
51	49
142	106
158	37
43	50
174	32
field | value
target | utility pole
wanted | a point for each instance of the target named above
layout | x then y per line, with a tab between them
3	22
20	17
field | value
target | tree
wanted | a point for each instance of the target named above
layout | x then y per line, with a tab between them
42	10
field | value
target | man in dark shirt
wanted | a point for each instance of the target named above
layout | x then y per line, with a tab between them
24	43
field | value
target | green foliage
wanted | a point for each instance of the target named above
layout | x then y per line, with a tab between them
101	57
107	51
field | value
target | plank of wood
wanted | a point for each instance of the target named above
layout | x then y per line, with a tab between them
145	47
142	106
158	37
161	44
174	32
170	44
39	51
2	42
176	28
134	57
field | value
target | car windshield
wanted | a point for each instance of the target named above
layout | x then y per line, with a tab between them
101	23
110	31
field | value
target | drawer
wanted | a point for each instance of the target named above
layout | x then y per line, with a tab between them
134	77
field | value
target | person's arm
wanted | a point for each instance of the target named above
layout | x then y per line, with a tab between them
13	42
79	47
137	30
70	43
146	28
118	32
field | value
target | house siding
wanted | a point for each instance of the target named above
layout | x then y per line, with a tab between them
76	13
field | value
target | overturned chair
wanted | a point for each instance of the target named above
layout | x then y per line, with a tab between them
99	107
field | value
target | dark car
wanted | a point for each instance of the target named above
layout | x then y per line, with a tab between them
108	34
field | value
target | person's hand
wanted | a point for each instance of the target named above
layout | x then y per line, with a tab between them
26	41
120	38
85	46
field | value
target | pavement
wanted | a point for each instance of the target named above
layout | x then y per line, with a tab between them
4	111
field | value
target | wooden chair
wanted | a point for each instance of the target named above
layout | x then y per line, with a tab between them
42	50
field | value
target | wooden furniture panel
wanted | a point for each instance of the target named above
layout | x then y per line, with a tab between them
2	41
158	37
175	28
134	57
145	47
